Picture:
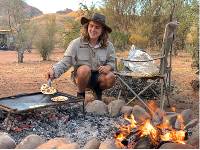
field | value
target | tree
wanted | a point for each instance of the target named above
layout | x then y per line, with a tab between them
120	14
72	33
46	40
187	16
19	24
87	11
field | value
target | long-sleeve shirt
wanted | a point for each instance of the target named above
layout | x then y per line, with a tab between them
79	52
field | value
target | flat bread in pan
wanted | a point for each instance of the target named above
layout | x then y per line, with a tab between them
59	98
45	89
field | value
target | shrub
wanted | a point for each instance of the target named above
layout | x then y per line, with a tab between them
119	39
71	34
45	47
140	41
45	42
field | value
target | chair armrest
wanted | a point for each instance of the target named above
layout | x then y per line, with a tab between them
156	58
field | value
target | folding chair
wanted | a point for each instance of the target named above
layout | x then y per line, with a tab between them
164	75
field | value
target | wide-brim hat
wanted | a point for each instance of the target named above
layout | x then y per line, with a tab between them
97	18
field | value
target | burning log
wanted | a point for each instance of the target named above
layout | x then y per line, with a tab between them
143	143
154	134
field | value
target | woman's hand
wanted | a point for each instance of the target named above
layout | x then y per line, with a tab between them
104	69
50	74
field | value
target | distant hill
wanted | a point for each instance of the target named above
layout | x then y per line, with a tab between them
64	23
28	10
65	11
31	11
62	19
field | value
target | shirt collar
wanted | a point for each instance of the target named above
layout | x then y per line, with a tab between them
85	42
96	46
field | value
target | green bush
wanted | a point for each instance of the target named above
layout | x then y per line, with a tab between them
46	40
45	47
71	34
139	40
119	39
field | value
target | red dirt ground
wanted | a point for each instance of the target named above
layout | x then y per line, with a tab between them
29	76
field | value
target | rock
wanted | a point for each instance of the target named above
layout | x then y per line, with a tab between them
158	115
54	143
107	99
115	106
179	124
126	110
194	141
184	118
97	107
176	146
140	114
194	138
143	143
68	146
92	144
191	124
6	142
88	98
30	142
195	130
170	118
187	115
108	144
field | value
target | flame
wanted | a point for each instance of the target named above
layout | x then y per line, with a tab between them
131	120
174	136
148	129
180	121
165	124
124	131
119	138
173	109
152	105
157	133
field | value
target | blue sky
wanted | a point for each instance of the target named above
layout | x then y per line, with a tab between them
51	6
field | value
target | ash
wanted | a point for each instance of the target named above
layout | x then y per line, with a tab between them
62	121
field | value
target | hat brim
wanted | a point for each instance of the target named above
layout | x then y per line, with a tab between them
85	20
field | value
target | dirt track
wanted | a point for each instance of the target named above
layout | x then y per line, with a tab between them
27	77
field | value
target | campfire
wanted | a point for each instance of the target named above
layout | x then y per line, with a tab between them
95	130
156	129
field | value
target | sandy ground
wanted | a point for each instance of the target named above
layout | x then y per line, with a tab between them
29	76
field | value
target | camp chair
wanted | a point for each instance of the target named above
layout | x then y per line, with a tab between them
164	75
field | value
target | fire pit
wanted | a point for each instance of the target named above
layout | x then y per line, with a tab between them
62	122
69	123
152	132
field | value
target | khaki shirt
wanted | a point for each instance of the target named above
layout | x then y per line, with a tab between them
79	53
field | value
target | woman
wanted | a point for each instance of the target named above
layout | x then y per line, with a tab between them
91	55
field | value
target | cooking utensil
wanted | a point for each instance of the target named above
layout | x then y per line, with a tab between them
49	83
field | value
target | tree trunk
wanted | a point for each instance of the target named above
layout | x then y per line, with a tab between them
20	55
182	43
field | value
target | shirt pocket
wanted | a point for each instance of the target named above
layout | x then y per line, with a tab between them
83	54
102	59
83	57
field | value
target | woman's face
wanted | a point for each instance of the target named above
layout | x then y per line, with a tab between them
94	30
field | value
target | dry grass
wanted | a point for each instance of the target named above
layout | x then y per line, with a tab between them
28	77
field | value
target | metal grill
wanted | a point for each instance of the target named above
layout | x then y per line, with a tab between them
25	102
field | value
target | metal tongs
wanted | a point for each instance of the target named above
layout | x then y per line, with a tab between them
49	82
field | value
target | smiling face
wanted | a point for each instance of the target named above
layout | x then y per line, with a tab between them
94	30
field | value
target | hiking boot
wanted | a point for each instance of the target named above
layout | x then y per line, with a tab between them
98	94
81	95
